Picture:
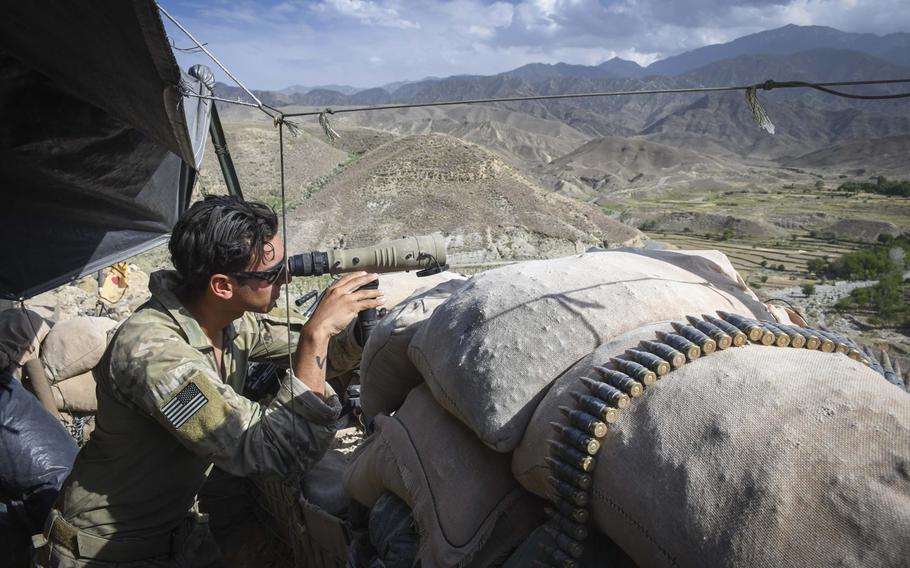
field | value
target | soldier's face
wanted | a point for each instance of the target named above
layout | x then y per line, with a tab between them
257	294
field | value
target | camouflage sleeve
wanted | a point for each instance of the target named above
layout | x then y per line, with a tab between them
176	385
276	340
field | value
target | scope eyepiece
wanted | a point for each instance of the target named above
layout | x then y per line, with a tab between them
314	263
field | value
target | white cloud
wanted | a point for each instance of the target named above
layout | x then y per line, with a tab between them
366	11
373	42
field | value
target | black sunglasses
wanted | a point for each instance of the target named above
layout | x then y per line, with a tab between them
270	275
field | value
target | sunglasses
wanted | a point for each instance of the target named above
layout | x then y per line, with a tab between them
270	275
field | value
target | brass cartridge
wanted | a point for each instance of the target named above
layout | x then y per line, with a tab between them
798	339
567	526
596	407
704	342
621	381
750	327
720	337
813	339
781	338
736	335
578	497
569	455
680	343
665	352
565	543
570	511
840	344
635	370
576	438
649	360
569	474
609	394
584	422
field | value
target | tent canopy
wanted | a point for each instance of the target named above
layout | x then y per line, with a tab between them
98	146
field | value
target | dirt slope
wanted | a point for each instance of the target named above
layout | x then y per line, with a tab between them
435	182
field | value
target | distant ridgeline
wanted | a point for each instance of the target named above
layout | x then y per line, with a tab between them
882	186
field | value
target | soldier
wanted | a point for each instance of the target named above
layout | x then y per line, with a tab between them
168	402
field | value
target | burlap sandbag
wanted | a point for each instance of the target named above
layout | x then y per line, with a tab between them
21	334
490	350
386	373
399	286
461	493
75	346
76	394
753	456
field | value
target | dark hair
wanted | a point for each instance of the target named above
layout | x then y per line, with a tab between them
220	234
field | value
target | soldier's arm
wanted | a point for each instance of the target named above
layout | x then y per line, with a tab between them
176	386
333	321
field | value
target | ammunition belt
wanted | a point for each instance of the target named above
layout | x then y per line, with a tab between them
615	384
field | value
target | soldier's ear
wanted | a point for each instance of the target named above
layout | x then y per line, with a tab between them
221	286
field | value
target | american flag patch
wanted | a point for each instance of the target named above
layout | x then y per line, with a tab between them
182	407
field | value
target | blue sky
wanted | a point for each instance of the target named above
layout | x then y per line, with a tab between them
368	43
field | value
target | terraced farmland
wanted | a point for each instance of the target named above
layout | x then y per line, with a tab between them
757	258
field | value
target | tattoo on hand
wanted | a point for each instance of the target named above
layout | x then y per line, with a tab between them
320	362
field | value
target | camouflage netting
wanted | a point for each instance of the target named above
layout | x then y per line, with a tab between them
489	352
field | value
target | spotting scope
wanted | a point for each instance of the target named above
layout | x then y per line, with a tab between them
426	254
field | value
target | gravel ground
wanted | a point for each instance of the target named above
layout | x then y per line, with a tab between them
819	311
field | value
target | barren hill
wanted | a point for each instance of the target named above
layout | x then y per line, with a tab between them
435	182
615	162
883	156
253	146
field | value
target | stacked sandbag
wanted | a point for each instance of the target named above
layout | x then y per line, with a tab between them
754	455
468	507
69	353
21	334
73	347
386	373
397	287
489	352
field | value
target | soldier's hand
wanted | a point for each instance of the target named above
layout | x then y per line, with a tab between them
343	301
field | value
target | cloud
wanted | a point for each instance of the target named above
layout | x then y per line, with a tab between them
365	11
274	43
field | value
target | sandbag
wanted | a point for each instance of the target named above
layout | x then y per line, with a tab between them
21	334
752	456
76	394
36	455
322	485
75	346
490	350
386	373
399	286
460	492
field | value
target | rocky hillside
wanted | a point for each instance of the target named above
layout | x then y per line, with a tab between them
434	182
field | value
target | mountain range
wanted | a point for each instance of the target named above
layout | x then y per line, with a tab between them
589	147
893	48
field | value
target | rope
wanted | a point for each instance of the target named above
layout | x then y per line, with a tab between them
823	87
767	85
202	47
330	132
758	112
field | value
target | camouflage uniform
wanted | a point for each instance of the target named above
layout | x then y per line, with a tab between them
165	416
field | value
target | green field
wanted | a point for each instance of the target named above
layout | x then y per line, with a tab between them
747	255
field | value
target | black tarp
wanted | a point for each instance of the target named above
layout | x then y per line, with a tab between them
98	145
